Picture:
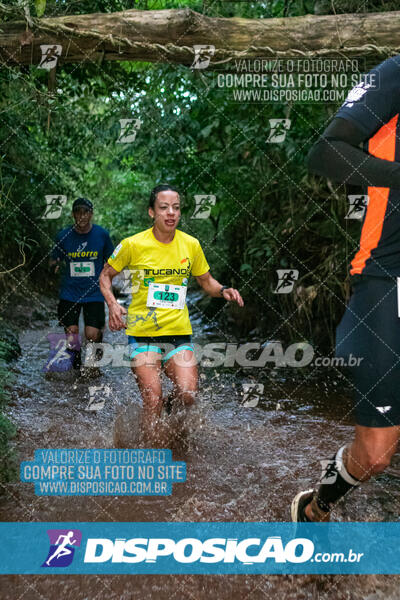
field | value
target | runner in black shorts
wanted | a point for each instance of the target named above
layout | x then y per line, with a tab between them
370	327
93	315
83	248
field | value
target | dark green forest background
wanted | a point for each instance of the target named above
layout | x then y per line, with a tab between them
270	212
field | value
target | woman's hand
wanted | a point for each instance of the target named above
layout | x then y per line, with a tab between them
213	288
232	295
115	317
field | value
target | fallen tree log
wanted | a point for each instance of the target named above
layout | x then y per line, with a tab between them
169	36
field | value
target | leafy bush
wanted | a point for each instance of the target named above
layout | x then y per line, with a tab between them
9	350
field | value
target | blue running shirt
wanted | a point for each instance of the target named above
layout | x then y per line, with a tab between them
84	255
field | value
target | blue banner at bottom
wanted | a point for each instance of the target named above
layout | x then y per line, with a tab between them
199	548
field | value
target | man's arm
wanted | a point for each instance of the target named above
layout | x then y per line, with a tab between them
337	156
213	288
54	262
116	311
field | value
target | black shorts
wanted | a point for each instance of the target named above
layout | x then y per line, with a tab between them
93	313
370	331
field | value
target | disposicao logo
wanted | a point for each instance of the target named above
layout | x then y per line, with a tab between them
62	547
190	550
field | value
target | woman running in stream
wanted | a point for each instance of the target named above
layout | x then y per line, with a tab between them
160	261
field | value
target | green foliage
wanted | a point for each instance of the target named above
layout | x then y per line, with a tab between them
9	350
7	457
269	213
252	9
9	347
40	6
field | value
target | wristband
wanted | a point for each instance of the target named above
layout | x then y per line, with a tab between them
221	291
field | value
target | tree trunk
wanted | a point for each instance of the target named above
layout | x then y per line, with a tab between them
169	36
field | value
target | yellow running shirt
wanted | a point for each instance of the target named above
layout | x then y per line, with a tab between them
147	260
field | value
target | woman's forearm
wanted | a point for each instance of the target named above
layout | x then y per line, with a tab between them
105	282
212	287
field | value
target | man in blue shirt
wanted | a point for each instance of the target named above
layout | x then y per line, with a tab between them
84	248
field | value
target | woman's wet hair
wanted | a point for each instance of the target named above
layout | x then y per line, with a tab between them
164	187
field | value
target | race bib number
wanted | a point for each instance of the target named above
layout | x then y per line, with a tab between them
162	295
81	269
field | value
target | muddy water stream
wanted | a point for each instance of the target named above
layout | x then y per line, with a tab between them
243	464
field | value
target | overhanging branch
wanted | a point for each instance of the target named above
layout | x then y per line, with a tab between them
169	36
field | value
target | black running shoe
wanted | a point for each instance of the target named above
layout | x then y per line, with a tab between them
298	505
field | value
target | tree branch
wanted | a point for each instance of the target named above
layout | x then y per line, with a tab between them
169	36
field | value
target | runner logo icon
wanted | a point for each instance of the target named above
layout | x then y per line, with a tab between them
287	279
50	55
62	547
357	206
202	55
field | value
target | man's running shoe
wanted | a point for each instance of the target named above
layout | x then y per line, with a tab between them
298	505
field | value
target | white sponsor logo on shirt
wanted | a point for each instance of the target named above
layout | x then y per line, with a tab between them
81	247
383	409
356	93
